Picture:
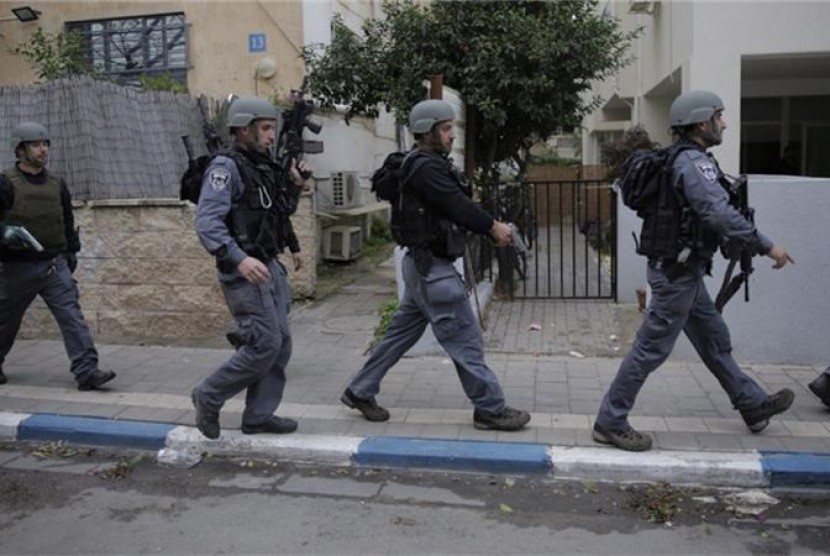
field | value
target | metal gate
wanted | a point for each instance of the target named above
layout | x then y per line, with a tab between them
569	228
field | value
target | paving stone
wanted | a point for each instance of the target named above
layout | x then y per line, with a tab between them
805	429
556	437
670	440
423	393
451	432
686	424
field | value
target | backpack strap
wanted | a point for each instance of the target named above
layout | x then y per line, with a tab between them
419	159
674	151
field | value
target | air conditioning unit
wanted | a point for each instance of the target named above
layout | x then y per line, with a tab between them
345	190
342	243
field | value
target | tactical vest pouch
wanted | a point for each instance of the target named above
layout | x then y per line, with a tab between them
454	239
658	235
648	187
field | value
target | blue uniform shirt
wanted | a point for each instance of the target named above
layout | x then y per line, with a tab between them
221	187
699	177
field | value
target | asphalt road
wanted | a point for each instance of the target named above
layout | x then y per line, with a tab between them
56	499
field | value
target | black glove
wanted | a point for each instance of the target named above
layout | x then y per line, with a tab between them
72	261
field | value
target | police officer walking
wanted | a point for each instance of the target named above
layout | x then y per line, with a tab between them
436	209
38	247
243	220
679	300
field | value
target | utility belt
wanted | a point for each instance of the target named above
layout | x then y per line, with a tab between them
423	258
673	268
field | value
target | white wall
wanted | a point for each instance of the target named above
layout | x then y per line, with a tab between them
787	318
705	40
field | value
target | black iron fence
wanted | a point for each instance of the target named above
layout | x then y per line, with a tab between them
568	228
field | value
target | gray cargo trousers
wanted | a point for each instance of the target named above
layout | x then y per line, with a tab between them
261	315
680	305
438	299
51	279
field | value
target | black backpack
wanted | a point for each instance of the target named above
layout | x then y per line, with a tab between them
190	184
646	174
191	181
387	185
387	180
647	187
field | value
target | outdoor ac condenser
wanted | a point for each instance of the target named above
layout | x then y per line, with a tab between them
345	190
342	243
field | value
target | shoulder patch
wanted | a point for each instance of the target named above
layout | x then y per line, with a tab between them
219	178
708	170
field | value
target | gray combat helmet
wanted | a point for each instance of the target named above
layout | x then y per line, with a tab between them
694	107
28	131
427	113
244	110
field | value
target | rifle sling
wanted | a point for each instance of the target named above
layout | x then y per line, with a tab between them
730	285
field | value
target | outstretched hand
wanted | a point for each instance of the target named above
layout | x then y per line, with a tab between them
780	256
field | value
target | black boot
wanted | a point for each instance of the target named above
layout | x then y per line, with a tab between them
95	380
821	388
757	418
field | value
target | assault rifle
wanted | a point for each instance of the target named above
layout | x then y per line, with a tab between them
213	140
738	195
191	180
290	143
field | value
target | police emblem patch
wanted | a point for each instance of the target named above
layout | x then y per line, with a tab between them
219	179
708	170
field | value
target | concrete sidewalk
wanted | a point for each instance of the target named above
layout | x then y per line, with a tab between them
696	431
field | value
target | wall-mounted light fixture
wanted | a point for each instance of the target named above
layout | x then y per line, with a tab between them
266	68
23	14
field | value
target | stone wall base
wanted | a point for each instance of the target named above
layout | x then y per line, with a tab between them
142	273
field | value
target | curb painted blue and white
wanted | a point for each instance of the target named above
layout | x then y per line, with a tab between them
755	469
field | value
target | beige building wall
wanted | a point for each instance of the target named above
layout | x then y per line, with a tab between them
219	61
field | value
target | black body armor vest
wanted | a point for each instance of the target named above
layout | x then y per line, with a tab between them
420	227
259	220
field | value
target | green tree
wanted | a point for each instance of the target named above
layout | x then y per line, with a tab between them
55	56
523	68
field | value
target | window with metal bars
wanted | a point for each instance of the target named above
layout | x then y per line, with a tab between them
128	48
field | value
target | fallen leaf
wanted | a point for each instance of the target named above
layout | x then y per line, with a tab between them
505	508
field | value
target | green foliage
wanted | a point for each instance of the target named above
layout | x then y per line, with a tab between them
162	82
386	311
614	153
55	56
522	67
381	229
